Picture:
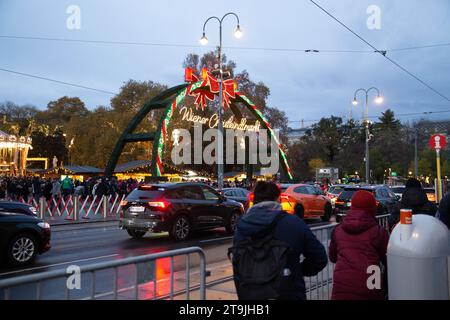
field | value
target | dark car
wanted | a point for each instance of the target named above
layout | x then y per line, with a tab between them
177	208
17	207
385	198
22	237
334	191
398	191
237	194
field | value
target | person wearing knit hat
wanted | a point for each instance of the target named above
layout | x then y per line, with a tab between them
356	244
414	198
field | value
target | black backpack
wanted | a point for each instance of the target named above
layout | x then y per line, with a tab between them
260	266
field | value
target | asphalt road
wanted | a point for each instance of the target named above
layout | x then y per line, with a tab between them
85	244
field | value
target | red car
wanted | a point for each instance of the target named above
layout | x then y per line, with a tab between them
307	201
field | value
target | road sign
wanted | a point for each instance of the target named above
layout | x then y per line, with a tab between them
437	141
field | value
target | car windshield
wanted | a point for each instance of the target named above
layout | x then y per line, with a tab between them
145	192
335	189
347	195
284	187
398	189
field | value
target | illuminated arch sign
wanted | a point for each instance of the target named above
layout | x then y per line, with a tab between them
202	91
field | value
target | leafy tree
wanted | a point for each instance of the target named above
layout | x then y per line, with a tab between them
133	95
61	111
48	145
315	164
387	121
327	134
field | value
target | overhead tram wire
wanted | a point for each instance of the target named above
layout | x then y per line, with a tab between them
137	43
384	55
57	81
397	115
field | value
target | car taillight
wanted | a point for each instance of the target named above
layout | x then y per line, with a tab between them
377	202
158	204
123	203
287	199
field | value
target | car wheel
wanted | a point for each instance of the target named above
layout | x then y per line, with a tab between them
22	249
181	228
232	222
136	234
299	211
327	213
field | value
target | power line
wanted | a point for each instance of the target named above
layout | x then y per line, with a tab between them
155	44
421	47
389	59
56	81
397	115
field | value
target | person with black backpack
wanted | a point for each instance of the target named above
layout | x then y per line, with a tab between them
267	247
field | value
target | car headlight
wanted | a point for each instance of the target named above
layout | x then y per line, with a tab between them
44	225
33	209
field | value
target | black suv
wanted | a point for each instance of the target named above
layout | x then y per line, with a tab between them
22	237
385	198
17	207
177	208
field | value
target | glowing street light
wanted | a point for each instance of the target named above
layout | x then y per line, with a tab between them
378	100
204	40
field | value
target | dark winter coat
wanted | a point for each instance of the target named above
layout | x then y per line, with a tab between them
357	243
415	199
292	230
444	210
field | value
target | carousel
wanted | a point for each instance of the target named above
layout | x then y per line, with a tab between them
13	153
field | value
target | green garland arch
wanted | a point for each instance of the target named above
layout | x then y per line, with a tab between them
161	134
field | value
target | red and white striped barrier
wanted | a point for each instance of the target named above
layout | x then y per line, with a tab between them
72	207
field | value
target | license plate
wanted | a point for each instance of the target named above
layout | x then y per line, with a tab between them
137	209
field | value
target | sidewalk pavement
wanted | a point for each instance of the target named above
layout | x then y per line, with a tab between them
220	284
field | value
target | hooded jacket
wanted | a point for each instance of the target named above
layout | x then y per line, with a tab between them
357	243
413	198
443	213
292	230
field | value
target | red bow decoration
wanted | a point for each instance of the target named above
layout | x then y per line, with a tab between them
209	87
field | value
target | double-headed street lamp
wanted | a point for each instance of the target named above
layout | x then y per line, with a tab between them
378	99
204	40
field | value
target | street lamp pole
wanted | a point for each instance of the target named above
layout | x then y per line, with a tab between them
204	41
416	161
379	99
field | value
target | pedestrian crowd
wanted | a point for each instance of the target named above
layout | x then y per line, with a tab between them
272	251
25	188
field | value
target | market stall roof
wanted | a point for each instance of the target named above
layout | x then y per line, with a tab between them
83	169
71	169
142	165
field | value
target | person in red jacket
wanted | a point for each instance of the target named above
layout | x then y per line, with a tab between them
357	243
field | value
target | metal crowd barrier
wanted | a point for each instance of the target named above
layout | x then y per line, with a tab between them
319	287
74	207
145	271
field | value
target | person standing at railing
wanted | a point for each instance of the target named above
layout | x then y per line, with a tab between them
11	189
414	198
36	188
3	187
443	212
47	191
279	239
56	192
358	243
